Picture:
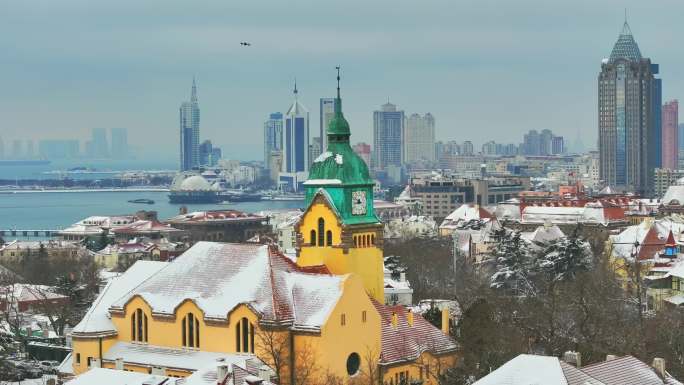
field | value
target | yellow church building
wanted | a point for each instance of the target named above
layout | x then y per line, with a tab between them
317	320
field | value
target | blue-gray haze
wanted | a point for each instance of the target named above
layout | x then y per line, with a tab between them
486	69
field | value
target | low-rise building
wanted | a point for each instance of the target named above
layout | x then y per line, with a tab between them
150	229
219	225
15	251
528	369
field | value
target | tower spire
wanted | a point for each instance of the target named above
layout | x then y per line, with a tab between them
193	97
338	82
295	87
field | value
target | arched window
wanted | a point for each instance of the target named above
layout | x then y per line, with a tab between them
190	331
139	326
328	238
313	238
372	239
244	336
321	231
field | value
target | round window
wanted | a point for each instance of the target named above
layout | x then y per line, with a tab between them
353	364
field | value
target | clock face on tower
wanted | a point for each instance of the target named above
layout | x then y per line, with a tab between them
358	203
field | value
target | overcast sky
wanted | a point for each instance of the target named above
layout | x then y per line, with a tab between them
485	69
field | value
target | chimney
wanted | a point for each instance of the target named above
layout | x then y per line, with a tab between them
659	366
221	373
445	320
409	317
158	371
395	319
95	363
610	357
574	358
402	277
119	364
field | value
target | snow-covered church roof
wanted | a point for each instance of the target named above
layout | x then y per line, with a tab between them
218	277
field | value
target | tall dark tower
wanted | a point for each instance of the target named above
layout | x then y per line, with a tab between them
189	131
629	121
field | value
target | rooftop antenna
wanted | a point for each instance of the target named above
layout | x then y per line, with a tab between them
295	86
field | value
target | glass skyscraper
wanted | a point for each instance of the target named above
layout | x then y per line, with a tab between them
629	131
388	130
295	165
273	136
189	131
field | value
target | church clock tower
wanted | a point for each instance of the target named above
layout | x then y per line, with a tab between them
339	228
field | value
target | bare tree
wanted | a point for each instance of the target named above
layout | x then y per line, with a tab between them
276	346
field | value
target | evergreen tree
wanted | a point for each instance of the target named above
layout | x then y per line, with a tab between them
562	260
513	263
433	315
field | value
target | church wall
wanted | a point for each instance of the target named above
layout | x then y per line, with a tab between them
426	368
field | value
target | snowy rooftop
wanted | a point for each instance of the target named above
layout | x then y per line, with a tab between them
97	319
405	342
218	277
527	369
214	215
674	195
591	213
102	376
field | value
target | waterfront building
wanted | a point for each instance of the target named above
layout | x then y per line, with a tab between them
327	111
190	131
388	129
17	149
314	149
364	151
629	133
670	128
273	136
219	225
120	143
96	226
419	139
295	146
58	149
209	155
275	164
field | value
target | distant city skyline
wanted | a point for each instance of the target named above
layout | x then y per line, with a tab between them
449	69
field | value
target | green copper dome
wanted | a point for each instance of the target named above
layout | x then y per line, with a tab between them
342	174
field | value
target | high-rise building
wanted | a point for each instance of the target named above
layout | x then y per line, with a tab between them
327	110
468	149
628	137
58	149
532	143
119	143
557	145
491	148
17	149
681	136
209	155
670	143
388	128
30	151
419	138
273	136
189	131
314	149
295	145
545	142
99	144
364	151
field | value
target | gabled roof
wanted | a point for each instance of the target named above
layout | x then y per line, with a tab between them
218	277
96	320
405	342
623	371
527	369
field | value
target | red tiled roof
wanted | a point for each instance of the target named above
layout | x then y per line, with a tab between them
651	244
405	342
